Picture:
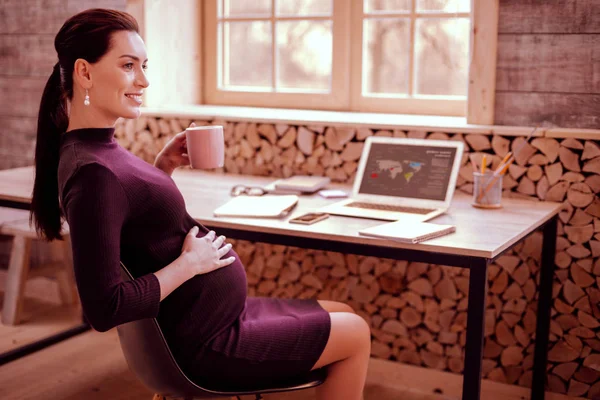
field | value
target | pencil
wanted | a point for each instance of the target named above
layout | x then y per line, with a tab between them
506	160
505	168
483	165
506	157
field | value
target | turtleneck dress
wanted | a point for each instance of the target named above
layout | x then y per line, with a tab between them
120	208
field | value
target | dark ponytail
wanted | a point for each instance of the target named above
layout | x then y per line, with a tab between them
52	121
87	35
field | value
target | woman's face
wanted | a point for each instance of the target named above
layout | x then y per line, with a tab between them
119	78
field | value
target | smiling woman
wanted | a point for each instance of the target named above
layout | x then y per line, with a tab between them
120	208
113	86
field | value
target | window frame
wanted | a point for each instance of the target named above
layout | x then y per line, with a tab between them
420	104
337	99
346	93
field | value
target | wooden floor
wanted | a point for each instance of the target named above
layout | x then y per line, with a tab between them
91	366
42	314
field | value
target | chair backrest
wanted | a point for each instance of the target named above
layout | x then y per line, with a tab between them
149	357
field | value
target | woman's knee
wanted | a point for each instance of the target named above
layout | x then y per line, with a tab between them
336	306
350	329
350	335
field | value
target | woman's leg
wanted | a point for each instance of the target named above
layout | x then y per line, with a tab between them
346	354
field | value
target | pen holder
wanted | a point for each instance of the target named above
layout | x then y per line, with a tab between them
487	190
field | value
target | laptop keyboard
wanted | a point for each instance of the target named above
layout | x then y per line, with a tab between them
387	207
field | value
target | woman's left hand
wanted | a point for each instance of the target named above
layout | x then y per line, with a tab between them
174	154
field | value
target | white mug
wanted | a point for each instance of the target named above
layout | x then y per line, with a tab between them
205	146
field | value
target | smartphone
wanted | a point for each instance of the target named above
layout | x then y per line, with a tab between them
310	218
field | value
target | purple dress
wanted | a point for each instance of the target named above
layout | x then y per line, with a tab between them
121	208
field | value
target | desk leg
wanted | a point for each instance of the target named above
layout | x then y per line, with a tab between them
543	311
478	284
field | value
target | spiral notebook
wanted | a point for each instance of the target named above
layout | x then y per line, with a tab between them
408	231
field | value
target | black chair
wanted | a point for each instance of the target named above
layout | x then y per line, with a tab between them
149	357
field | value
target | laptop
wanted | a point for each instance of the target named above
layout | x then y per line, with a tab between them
399	178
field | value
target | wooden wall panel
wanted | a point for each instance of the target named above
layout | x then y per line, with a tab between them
548	109
17	134
548	69
27	55
21	95
549	16
17	143
548	63
45	16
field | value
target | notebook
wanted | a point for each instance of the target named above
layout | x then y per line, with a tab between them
408	232
302	183
267	206
402	178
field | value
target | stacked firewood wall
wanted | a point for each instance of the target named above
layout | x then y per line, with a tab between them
417	311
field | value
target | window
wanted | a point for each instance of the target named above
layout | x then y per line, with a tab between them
401	56
277	53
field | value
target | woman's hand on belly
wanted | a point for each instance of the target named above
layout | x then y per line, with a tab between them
205	254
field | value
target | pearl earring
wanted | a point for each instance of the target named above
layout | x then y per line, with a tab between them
86	101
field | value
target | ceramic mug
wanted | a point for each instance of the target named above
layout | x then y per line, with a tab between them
205	146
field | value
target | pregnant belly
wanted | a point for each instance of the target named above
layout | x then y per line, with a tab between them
216	299
227	287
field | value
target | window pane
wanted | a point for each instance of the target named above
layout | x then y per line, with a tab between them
444	5
304	50
247	56
238	8
386	55
386	5
303	7
442	56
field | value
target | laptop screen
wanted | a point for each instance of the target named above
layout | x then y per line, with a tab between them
412	171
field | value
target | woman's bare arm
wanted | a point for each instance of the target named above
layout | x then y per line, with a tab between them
174	275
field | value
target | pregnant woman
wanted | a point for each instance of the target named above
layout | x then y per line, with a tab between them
119	208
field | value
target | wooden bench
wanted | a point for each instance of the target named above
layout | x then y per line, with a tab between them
15	223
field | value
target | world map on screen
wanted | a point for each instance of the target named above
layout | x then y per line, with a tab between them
406	168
